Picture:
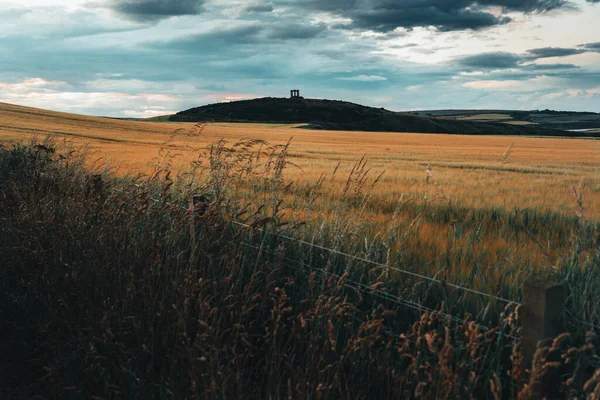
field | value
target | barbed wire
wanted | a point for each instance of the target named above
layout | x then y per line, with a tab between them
396	269
378	293
591	325
391	268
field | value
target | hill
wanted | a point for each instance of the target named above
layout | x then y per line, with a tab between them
346	116
17	122
565	120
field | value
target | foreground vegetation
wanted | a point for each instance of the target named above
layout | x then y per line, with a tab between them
115	287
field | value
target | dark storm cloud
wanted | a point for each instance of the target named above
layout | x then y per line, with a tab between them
548	52
241	39
497	60
549	67
592	46
573	77
154	10
295	31
502	60
245	48
389	17
444	15
404	46
224	40
527	6
259	8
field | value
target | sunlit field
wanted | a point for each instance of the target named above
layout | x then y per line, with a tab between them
205	258
473	171
506	207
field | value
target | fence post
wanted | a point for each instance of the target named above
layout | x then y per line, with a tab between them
543	306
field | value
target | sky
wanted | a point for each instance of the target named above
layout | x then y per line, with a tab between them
144	58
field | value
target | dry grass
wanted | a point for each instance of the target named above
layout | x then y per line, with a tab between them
484	117
520	123
443	204
470	172
468	196
116	287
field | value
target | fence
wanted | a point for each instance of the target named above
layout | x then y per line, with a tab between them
541	309
542	306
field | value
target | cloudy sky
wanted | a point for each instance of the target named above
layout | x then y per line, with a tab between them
142	58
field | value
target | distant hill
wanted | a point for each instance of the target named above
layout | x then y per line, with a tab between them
565	120
341	115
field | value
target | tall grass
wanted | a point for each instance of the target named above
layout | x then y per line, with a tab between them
118	288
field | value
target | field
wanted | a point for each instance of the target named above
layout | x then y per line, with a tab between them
113	286
485	117
472	171
564	120
506	118
451	192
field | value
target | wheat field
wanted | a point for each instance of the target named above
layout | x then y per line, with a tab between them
446	190
485	213
473	171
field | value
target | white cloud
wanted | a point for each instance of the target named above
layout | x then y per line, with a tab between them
492	84
58	95
379	100
474	73
112	62
364	78
29	84
552	96
583	92
148	112
46	3
229	97
529	85
593	92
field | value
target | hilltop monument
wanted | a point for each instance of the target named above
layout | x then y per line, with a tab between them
294	94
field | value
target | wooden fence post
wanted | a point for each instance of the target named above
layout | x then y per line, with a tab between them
543	306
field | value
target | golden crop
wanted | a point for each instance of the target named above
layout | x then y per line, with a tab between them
473	171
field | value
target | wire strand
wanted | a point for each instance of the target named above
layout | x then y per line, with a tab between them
428	278
378	293
414	274
591	325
